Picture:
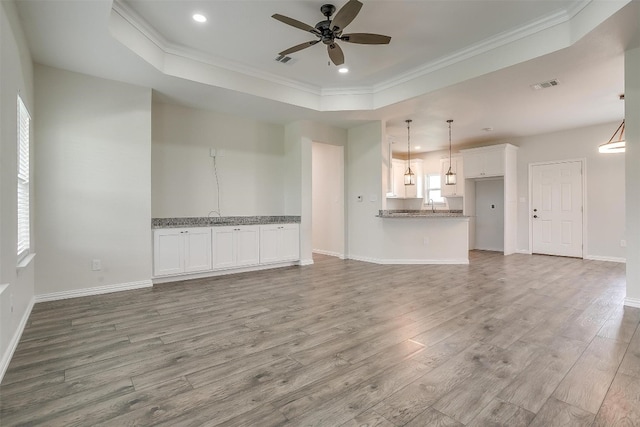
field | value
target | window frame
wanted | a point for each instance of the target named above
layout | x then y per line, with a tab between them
23	175
428	189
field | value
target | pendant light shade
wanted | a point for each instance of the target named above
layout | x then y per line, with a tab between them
409	176
614	146
450	177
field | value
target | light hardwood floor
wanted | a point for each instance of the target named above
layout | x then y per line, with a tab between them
506	341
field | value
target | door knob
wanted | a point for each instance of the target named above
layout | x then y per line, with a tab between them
535	210
535	216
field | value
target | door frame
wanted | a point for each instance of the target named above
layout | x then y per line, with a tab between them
583	162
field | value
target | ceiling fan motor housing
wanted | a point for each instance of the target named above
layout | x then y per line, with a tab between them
324	27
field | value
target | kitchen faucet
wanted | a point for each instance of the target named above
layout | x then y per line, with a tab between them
433	207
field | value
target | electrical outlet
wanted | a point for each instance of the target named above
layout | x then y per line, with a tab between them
96	265
216	152
623	243
425	241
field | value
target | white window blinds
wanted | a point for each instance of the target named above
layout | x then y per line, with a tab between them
24	236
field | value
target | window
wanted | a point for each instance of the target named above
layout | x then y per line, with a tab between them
433	189
24	234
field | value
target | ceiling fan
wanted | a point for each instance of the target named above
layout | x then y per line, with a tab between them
330	30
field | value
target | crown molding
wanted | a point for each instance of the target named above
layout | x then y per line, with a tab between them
186	63
168	48
486	45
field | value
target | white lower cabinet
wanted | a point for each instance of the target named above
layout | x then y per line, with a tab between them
236	246
279	243
181	250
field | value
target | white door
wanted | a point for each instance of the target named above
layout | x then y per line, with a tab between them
557	209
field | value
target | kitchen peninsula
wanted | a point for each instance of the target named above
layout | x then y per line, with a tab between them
425	237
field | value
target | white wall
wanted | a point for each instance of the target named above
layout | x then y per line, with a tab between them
365	153
16	70
632	177
250	171
93	188
605	185
328	199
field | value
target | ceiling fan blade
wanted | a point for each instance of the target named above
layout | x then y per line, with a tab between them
295	23
366	38
298	47
335	53
345	15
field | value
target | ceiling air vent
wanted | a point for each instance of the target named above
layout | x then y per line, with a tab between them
283	59
545	85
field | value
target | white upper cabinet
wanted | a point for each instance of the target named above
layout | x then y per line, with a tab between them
484	162
456	190
401	191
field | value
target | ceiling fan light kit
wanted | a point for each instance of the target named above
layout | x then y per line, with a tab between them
330	30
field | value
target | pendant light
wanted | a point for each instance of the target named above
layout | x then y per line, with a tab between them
409	176
617	146
450	177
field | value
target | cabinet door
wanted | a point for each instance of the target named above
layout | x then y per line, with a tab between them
167	252
494	163
473	165
269	244
290	242
197	249
247	245
223	247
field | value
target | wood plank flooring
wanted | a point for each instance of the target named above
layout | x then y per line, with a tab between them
505	341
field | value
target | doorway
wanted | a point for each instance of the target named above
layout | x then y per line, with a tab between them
327	199
557	208
490	215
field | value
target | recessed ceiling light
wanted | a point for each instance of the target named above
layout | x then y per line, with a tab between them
343	70
487	129
416	147
198	17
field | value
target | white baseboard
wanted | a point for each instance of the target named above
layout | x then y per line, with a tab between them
462	261
214	273
605	258
328	253
523	251
304	262
93	291
11	348
632	302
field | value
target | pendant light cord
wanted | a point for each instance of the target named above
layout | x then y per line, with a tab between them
450	121
409	142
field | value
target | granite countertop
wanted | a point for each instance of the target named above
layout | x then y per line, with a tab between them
421	214
221	221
